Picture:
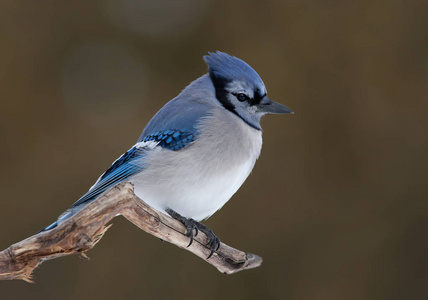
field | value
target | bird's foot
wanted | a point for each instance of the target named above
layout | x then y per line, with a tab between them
190	224
213	240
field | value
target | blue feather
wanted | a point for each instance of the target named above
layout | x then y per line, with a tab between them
176	116
229	68
132	162
120	170
171	139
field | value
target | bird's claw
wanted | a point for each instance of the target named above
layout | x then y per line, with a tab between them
190	224
213	241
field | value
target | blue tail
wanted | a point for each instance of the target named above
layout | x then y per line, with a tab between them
52	226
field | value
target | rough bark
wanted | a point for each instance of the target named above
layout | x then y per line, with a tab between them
82	232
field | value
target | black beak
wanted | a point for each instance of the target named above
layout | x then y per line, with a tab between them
271	107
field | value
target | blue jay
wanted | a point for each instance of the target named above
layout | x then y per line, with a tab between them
198	149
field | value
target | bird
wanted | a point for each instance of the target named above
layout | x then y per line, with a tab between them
197	150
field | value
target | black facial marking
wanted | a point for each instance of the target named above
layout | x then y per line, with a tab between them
251	101
220	91
257	97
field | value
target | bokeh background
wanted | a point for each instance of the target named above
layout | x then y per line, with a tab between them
337	203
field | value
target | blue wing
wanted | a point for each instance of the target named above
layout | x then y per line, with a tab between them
174	127
176	115
129	164
171	139
124	167
132	162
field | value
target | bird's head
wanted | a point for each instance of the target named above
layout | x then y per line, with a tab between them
240	89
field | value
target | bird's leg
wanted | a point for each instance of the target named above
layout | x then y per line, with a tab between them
190	224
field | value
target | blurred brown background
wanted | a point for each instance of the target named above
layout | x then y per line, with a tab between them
337	203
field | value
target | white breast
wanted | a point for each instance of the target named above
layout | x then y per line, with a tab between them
198	180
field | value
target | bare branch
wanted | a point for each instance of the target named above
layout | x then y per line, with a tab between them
81	232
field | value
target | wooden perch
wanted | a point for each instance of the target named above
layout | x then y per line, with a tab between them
81	232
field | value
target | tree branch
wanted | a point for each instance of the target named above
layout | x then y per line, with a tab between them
83	231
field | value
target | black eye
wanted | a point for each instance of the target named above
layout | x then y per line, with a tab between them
242	97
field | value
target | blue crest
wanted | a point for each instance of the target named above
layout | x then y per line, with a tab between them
226	67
